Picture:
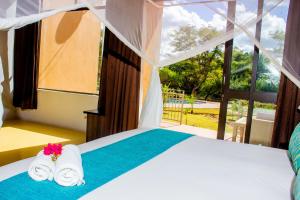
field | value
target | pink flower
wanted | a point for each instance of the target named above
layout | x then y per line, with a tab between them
47	151
55	149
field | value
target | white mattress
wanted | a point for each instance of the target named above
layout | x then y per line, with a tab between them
197	168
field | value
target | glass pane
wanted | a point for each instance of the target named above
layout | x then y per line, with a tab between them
200	80
241	66
272	39
262	123
189	26
190	114
267	77
236	120
242	54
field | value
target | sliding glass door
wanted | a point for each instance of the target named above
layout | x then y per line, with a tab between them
250	82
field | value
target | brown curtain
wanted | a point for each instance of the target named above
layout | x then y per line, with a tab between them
26	58
119	86
288	99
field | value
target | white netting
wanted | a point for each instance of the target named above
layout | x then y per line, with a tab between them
164	32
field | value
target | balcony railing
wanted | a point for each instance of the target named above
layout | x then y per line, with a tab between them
173	101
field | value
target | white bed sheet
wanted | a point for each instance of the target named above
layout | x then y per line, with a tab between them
197	168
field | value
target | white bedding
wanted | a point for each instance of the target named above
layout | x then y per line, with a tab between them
197	168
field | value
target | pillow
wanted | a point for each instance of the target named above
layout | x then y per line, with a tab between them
294	148
296	188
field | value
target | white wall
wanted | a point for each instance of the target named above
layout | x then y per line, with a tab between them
61	109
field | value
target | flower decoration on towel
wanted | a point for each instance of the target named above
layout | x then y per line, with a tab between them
54	150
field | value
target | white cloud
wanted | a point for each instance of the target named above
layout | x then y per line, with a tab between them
284	3
244	14
178	16
272	23
218	22
174	17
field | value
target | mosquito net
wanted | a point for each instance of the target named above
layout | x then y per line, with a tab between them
164	32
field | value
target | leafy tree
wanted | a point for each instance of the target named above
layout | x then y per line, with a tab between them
189	36
241	70
207	33
170	78
213	84
266	80
184	38
205	64
191	75
201	76
278	36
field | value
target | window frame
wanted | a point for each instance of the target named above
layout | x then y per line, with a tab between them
250	95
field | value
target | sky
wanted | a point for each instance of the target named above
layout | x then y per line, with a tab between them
200	16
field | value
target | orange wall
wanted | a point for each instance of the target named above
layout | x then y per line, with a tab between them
69	52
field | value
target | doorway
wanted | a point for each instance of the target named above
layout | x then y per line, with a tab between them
250	82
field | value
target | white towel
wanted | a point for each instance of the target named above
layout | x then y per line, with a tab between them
42	168
69	171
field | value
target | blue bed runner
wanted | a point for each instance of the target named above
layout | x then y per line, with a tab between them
100	166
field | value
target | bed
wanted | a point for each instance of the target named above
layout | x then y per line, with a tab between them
196	168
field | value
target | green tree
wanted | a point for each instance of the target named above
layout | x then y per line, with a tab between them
191	74
189	36
241	69
241	72
201	76
184	38
211	88
278	36
266	80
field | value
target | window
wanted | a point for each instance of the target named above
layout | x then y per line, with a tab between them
242	49
241	64
262	123
267	77
236	119
71	52
272	38
251	80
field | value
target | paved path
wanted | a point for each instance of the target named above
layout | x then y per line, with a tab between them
194	130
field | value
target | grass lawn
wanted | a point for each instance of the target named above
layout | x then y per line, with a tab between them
203	117
202	121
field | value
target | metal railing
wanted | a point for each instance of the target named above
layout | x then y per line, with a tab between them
173	101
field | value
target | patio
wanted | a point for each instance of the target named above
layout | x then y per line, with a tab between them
202	132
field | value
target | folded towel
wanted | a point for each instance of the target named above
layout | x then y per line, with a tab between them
42	167
69	171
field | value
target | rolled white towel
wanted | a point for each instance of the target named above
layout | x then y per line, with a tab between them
69	171
42	168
